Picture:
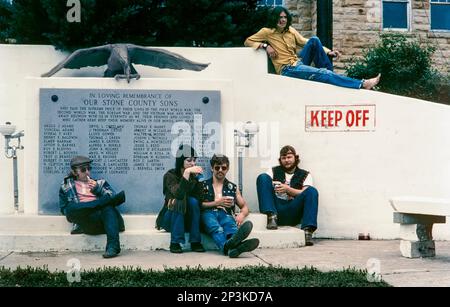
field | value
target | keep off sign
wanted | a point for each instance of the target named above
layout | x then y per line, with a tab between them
328	118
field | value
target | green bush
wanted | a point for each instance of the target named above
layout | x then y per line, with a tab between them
217	23
405	67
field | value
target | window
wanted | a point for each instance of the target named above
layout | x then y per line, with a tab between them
440	14
396	14
271	2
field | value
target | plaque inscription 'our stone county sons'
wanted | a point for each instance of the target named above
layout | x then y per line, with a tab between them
130	134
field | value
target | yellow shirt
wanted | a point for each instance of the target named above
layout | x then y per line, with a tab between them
286	44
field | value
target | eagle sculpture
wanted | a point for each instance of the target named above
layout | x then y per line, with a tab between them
120	59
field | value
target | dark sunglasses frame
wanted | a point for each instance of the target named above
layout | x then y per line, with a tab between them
85	168
220	167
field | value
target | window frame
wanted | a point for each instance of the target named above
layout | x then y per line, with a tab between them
434	2
408	16
283	2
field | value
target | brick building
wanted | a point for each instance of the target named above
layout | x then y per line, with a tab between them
357	23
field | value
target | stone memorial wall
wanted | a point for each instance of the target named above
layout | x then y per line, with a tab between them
132	136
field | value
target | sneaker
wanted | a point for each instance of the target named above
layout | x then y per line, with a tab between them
241	234
111	252
308	238
197	247
76	229
272	222
245	246
175	248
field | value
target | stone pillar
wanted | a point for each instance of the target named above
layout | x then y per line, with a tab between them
416	234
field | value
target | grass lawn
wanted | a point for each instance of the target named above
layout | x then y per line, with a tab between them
250	276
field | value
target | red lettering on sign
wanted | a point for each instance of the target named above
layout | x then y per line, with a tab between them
350	118
338	117
314	118
365	117
323	117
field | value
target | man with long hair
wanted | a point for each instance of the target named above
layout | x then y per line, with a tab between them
182	201
281	42
287	196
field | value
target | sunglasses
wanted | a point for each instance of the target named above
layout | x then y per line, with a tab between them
85	168
218	168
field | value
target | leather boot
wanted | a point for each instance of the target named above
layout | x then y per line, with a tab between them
272	221
308	237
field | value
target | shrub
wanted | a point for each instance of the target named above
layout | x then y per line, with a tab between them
405	66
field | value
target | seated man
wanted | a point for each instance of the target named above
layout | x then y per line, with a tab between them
220	197
281	41
287	196
92	204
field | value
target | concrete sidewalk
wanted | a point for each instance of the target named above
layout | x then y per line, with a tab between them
325	255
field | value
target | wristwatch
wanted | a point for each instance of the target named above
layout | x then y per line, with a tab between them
265	45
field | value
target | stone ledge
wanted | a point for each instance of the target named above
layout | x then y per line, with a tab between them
49	223
285	237
21	233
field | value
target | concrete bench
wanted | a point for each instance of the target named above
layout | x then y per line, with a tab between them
416	216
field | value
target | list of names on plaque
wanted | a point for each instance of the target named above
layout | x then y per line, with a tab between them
127	133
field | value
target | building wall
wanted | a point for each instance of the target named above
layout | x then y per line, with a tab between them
357	24
355	172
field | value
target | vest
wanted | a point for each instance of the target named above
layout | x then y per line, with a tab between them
297	180
228	189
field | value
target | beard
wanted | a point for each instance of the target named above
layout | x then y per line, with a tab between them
289	169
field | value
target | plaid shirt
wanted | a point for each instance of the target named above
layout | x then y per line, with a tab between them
68	192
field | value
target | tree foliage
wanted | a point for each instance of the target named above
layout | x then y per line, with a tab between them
209	23
405	66
5	20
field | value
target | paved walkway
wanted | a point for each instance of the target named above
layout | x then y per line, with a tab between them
325	255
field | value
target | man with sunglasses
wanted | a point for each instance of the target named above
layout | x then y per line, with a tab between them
287	196
228	230
91	204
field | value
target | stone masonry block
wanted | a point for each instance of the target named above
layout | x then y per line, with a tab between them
403	218
417	249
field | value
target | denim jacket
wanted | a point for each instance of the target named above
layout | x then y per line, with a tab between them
68	192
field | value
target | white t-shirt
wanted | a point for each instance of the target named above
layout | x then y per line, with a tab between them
308	181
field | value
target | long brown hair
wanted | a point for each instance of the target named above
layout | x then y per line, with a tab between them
275	16
288	149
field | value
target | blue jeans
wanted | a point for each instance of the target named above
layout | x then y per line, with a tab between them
313	52
323	72
219	225
303	208
97	217
177	223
